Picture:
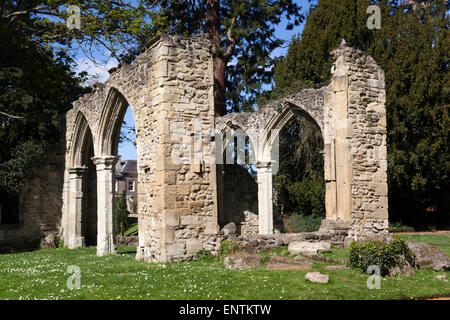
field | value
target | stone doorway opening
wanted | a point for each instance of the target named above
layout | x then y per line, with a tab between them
237	175
126	177
89	213
299	184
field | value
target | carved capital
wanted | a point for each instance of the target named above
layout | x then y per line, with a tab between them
105	162
76	171
263	164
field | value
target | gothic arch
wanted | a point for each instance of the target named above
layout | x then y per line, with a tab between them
82	139
111	122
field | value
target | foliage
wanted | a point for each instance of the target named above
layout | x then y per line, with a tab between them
299	182
308	196
242	33
412	47
304	223
378	253
225	248
132	230
121	214
230	246
36	89
13	171
399	227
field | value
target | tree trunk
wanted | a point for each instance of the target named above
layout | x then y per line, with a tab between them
212	20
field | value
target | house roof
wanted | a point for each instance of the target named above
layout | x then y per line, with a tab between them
126	168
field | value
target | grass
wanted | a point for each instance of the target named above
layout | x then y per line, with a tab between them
42	275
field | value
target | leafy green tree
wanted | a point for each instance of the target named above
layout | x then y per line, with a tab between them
36	89
299	181
413	49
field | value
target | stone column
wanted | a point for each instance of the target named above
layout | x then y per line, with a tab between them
73	220
105	204
343	157
265	206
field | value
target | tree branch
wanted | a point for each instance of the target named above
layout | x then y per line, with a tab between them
11	116
232	42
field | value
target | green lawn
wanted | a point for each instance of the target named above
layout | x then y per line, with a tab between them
441	241
42	275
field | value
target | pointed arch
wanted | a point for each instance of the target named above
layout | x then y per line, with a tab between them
279	120
82	140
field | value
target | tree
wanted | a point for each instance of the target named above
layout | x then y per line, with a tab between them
413	49
121	214
299	182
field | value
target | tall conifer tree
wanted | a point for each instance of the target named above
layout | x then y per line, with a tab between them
413	49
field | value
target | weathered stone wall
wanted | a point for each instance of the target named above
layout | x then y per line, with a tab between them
364	82
186	197
170	91
351	115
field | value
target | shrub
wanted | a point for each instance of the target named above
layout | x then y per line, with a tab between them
228	247
205	256
61	244
382	254
225	248
121	214
307	197
301	223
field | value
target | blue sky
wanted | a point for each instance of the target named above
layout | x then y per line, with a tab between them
99	72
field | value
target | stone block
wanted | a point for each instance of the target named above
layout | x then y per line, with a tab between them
317	277
193	246
172	218
174	250
308	248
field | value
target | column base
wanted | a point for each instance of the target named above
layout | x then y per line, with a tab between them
105	246
75	243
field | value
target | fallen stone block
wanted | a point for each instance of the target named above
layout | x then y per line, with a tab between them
308	248
442	277
428	256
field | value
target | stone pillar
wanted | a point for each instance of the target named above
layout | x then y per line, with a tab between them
265	206
73	220
343	157
105	204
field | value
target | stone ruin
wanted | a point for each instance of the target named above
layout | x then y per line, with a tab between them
180	144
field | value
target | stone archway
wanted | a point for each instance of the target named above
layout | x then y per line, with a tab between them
167	86
170	90
351	115
78	182
237	199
